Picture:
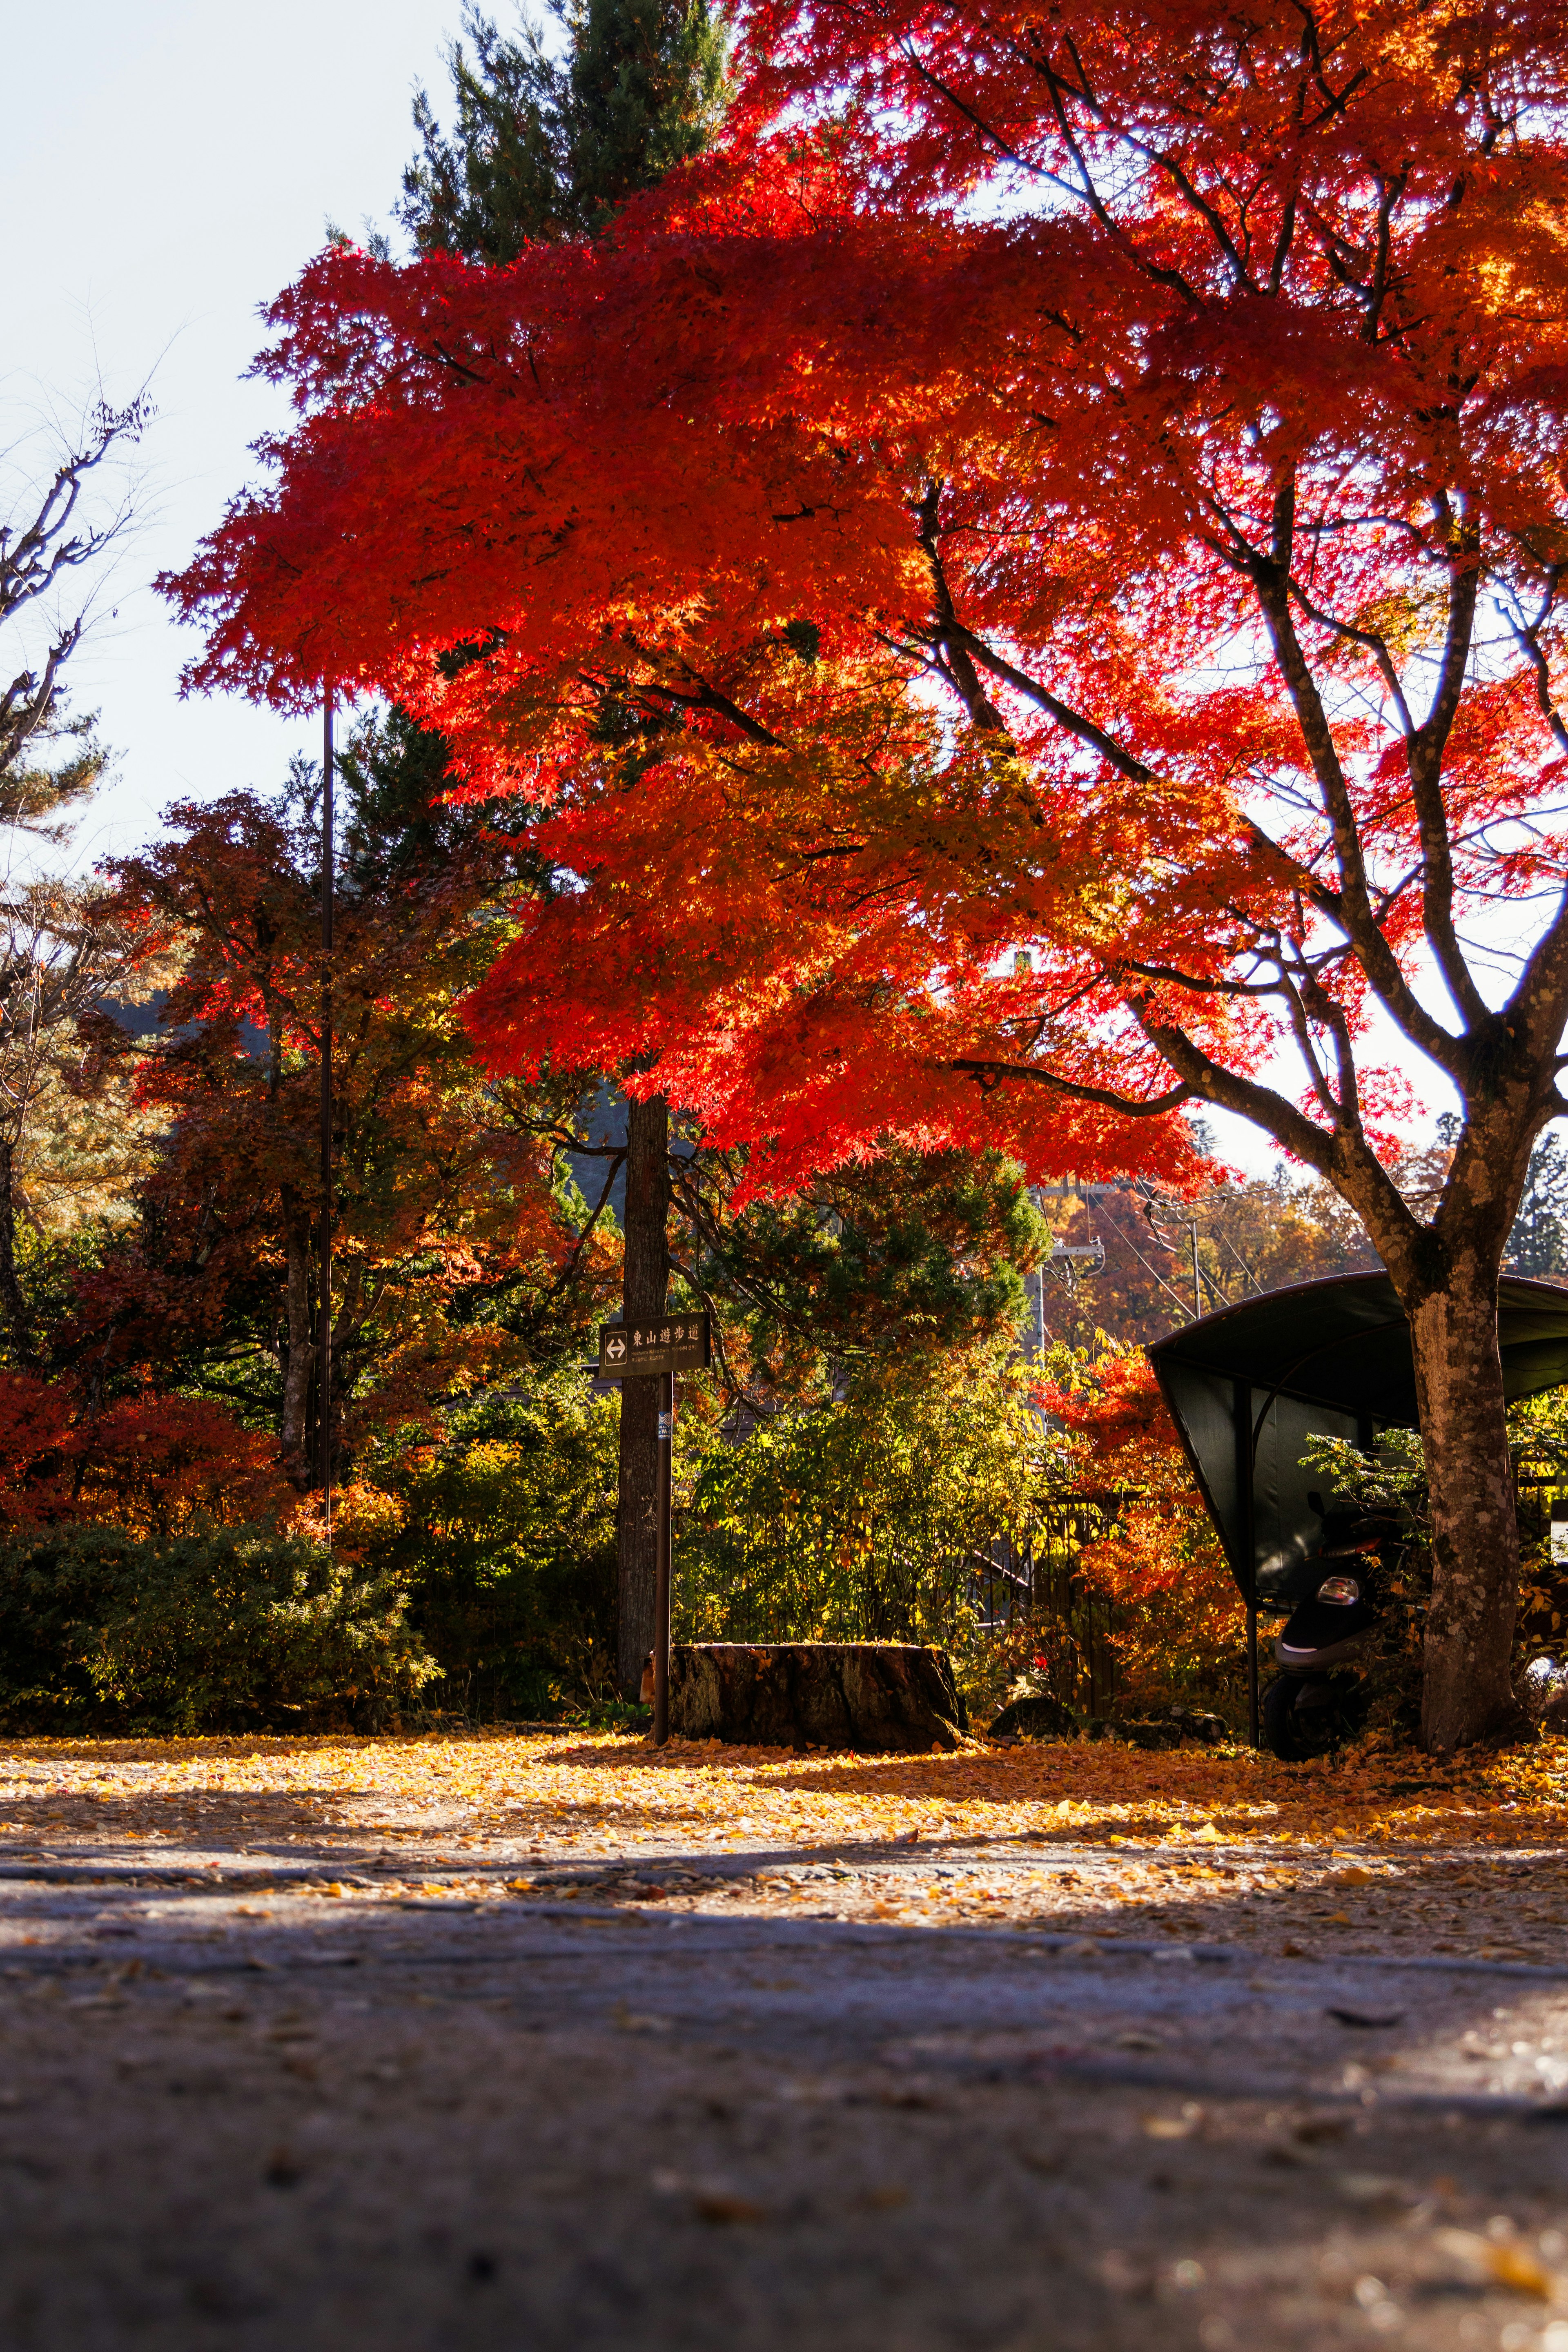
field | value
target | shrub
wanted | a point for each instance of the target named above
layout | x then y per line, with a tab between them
195	1633
1176	1622
867	1518
507	1548
153	1464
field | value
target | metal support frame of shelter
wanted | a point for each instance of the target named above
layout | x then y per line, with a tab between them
1248	1386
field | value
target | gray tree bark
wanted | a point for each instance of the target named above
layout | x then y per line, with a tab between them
644	1297
1466	1685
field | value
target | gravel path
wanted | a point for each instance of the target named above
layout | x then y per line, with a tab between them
304	2092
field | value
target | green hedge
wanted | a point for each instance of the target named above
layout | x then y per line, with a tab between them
507	1551
236	1628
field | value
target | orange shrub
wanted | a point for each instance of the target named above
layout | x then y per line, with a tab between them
153	1464
1178	1622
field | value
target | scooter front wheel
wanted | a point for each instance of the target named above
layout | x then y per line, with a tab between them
1304	1718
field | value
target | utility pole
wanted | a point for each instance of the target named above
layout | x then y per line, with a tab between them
1197	1292
645	1285
324	1390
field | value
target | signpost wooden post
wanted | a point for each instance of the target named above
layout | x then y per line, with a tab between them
676	1343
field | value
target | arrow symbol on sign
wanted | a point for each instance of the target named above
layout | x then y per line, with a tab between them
615	1348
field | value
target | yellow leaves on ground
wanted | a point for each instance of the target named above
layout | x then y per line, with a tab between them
601	1791
1516	2267
1507	2261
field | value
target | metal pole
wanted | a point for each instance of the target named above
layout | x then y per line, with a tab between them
1198	1294
661	1574
324	1391
1245	1481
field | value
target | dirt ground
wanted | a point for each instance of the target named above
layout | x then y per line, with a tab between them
547	2040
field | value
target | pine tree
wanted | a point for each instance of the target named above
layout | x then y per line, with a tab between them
549	148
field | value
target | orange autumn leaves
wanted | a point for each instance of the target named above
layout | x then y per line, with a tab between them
150	1463
606	1794
1179	1619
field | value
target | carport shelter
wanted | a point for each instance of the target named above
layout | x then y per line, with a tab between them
1248	1386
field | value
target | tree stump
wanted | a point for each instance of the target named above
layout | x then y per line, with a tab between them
887	1698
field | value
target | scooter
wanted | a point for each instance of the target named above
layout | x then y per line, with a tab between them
1319	1699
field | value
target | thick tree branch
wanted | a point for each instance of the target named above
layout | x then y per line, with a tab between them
992	1073
709	698
1425	758
945	633
1074	721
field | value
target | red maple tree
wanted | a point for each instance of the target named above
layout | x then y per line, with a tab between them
1031	584
441	1188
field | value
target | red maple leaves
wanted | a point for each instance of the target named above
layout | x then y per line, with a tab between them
1083	485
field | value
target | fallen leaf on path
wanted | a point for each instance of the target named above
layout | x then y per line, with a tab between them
718	2206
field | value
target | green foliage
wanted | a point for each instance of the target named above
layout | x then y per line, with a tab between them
49	1267
44	796
195	1634
867	1518
1391	1478
508	1550
543	149
912	1258
1538	1431
394	825
646	87
1538	1243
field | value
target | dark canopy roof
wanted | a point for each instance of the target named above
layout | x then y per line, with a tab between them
1345	1343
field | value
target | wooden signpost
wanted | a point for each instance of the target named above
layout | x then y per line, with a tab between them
676	1343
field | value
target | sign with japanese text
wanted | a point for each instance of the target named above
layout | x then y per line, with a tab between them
676	1343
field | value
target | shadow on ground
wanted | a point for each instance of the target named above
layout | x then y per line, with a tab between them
358	2123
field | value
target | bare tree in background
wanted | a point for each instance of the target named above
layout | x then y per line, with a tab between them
43	549
59	956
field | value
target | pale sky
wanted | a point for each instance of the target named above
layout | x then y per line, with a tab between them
168	167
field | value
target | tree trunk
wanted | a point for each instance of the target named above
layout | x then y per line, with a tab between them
646	1281
12	1303
300	1344
1466	1692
